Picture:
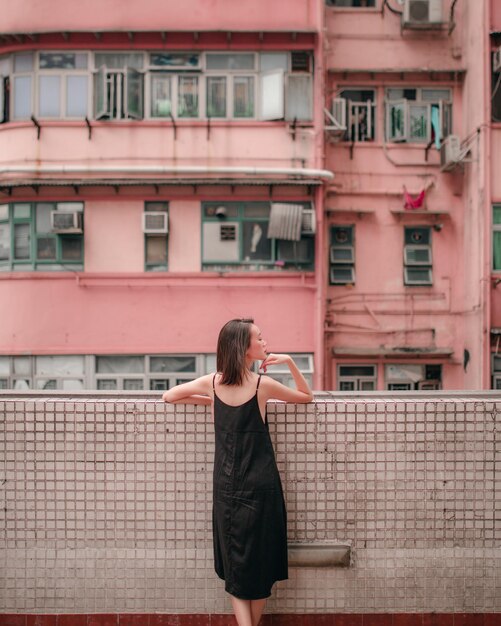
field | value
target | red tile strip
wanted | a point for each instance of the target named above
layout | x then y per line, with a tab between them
279	619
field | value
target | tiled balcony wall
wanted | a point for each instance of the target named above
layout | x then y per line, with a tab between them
107	504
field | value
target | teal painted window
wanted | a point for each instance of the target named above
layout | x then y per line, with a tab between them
496	238
41	236
155	227
417	256
418	115
342	255
235	237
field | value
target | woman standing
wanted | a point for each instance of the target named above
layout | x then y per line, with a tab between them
249	516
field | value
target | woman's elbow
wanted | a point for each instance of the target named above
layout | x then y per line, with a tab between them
305	398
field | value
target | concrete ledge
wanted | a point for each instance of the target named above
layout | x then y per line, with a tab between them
319	555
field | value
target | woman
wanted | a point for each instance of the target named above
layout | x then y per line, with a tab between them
249	517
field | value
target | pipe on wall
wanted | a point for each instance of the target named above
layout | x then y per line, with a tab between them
165	169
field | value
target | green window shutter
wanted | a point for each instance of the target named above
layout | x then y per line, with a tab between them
397	120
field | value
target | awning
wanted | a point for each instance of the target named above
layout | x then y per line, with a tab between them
397	352
285	221
7	185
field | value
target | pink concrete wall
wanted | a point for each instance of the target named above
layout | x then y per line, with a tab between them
362	40
133	313
185	241
475	262
114	237
495	21
28	16
148	143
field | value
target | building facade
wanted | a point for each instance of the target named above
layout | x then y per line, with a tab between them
325	167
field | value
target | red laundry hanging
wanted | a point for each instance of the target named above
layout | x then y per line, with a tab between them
411	203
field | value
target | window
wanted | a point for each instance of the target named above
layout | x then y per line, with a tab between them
173	93
342	255
63	84
42	235
234	93
5	73
418	115
155	235
496	238
235	237
22	84
356	377
408	377
138	372
47	85
351	3
162	85
359	114
495	86
118	86
103	372
417	256
66	372
496	371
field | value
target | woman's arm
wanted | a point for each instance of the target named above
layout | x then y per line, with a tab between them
273	389
195	392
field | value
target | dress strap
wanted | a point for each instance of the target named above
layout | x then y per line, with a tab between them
258	381
214	383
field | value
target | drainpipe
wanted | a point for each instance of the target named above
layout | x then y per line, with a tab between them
319	147
487	200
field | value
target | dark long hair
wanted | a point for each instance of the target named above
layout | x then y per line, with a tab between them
232	345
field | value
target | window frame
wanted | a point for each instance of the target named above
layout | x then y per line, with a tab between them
350	115
33	262
230	75
240	219
496	372
64	74
351	8
156	267
148	377
418	265
31	74
357	380
496	228
406	104
342	264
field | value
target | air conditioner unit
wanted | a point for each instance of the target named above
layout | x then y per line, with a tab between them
66	222
422	13
450	153
155	222
308	226
496	60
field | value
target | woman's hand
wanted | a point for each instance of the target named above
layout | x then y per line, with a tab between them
274	359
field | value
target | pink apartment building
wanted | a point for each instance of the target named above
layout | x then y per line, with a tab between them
163	170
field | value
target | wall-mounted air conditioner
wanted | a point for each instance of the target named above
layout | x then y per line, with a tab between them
496	60
422	13
155	222
66	222
308	225
450	153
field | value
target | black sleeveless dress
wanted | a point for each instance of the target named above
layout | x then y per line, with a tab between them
249	522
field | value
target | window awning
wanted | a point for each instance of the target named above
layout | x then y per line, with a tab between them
285	221
397	352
